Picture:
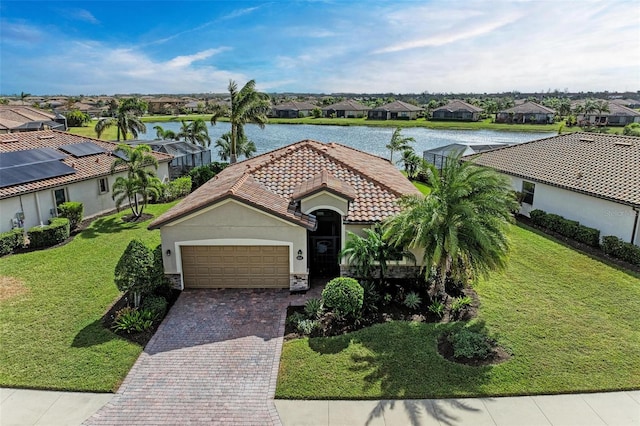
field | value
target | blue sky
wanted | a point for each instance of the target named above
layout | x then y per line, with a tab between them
109	47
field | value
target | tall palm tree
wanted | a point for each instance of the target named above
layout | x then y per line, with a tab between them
23	96
398	142
127	119
141	178
247	106
130	189
195	132
461	224
164	134
244	147
411	162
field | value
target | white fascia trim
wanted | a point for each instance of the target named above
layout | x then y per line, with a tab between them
222	203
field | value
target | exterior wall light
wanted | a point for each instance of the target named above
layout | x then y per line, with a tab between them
168	252
299	257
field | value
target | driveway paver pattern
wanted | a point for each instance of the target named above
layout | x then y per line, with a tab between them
214	360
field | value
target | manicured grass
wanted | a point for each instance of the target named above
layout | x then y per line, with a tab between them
422	187
570	321
50	331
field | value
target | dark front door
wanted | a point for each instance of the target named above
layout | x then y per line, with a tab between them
324	244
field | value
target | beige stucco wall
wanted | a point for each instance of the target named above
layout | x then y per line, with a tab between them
324	200
232	223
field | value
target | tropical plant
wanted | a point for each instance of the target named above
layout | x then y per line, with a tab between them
133	320
412	300
141	179
77	118
23	96
461	225
126	120
632	129
313	307
398	142
163	134
470	344
130	189
133	271
459	304
72	210
244	147
247	106
437	308
412	163
195	132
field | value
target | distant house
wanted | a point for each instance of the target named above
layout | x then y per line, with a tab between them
457	110
186	155
593	178
437	156
618	115
42	169
528	112
629	103
292	109
17	118
346	109
164	104
396	110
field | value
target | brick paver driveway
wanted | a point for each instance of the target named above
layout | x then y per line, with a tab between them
214	360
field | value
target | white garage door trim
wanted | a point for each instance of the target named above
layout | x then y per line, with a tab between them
228	242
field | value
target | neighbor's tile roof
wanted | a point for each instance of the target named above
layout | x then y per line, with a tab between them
458	105
88	167
349	105
601	165
294	105
614	109
12	116
376	183
529	108
398	106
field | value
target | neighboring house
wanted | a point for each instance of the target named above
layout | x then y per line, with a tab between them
629	103
164	105
292	109
437	156
346	109
186	155
457	110
40	170
278	218
396	110
593	178
195	106
528	112
618	115
17	118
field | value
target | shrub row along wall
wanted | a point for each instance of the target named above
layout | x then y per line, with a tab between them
569	228
614	246
11	241
56	232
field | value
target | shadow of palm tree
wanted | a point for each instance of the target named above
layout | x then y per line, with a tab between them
107	225
93	334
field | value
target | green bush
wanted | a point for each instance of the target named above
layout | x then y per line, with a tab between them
437	307
156	304
46	236
538	217
590	236
313	308
134	270
11	240
412	300
566	227
200	175
460	303
131	320
614	246
344	295
307	326
72	210
159	280
470	344
176	188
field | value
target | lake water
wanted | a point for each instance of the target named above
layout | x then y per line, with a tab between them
368	139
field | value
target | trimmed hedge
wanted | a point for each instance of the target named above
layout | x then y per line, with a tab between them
344	295
614	246
72	210
569	228
11	240
56	232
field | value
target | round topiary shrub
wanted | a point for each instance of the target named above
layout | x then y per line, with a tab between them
343	295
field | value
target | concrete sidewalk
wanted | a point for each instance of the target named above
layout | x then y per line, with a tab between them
31	407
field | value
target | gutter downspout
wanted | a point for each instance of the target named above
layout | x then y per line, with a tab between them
35	194
635	225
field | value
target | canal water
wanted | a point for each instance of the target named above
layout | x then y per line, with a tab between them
365	138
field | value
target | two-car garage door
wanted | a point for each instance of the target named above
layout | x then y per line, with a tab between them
235	266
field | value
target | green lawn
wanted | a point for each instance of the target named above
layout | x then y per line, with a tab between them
50	331
570	321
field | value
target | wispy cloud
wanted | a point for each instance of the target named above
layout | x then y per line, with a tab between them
240	12
20	33
83	15
185	61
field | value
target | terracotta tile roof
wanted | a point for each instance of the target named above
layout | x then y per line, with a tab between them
324	181
398	106
529	108
377	184
294	105
349	105
23	114
614	109
458	105
600	165
86	167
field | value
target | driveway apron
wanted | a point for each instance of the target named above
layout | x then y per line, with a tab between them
214	360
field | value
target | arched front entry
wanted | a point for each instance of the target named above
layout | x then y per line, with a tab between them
324	244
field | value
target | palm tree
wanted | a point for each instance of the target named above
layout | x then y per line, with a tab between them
129	189
398	142
140	180
461	224
411	162
244	147
164	134
23	96
126	119
195	132
247	105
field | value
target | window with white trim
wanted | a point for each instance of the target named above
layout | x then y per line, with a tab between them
528	190
103	185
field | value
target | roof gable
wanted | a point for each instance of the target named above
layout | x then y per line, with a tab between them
458	105
397	106
323	181
529	108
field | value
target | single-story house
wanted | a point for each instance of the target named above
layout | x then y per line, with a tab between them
346	109
437	156
528	112
457	110
593	178
618	115
42	169
186	155
629	103
396	110
278	218
164	104
292	109
17	118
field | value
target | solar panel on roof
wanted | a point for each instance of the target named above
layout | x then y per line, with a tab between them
15	175
120	154
29	156
83	149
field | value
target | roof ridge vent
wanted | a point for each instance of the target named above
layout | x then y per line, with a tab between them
586	139
46	136
621	143
10	140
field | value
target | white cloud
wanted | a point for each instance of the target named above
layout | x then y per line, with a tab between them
185	61
240	12
84	15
